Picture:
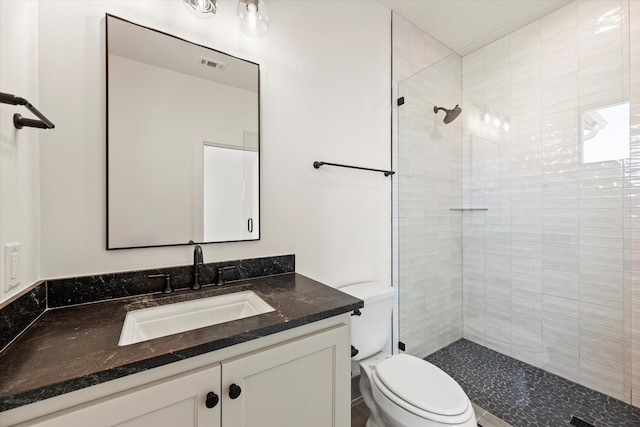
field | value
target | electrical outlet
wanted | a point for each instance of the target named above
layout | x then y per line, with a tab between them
11	265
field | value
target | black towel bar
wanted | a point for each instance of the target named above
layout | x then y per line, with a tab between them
317	165
18	121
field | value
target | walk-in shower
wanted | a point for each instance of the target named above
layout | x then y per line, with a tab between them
510	236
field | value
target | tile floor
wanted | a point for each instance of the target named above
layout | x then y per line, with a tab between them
359	413
526	396
520	395
487	419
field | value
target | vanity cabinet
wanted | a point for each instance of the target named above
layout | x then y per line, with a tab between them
302	381
289	385
175	402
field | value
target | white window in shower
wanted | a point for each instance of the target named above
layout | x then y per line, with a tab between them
605	133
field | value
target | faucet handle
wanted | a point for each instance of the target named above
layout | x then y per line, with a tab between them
167	282
220	274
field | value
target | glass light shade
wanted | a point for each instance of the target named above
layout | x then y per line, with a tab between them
201	8
254	20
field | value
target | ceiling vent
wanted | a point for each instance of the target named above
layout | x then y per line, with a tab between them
213	64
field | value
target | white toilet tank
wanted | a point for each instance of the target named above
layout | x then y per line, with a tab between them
370	331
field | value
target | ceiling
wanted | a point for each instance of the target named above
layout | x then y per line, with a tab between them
467	25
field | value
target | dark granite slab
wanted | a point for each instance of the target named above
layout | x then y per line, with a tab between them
75	347
102	287
15	317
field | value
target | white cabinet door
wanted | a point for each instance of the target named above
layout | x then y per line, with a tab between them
301	382
304	382
175	402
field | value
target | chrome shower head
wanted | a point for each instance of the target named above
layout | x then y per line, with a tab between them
450	114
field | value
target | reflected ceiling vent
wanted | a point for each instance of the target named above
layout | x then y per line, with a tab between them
213	64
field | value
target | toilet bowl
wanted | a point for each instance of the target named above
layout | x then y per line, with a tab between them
410	392
400	390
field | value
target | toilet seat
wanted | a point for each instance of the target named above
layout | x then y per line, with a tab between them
421	388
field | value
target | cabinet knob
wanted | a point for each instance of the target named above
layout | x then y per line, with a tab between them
212	400
234	391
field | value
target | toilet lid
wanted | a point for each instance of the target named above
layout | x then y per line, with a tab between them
422	385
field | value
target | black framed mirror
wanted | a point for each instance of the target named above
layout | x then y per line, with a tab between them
183	141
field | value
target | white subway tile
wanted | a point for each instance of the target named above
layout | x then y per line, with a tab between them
602	377
569	289
561	306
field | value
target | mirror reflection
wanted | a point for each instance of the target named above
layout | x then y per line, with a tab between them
182	141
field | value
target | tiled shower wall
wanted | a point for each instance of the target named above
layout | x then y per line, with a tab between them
547	267
430	234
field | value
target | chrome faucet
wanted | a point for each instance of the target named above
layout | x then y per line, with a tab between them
197	263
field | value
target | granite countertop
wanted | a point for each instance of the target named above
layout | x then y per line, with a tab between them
75	347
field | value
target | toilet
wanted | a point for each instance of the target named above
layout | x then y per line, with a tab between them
400	390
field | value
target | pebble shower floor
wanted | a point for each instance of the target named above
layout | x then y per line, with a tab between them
526	396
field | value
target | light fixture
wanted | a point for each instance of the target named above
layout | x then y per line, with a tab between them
254	21
494	119
201	8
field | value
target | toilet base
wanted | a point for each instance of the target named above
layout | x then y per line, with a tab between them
374	419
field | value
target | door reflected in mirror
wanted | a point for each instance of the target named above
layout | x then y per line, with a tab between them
183	150
230	178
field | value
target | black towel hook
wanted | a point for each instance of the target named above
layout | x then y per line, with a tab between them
18	121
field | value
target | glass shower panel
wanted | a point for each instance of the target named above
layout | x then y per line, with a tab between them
430	185
632	276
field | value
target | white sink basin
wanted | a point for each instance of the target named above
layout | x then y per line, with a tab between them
155	322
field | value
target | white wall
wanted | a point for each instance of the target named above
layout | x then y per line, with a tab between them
325	76
19	192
